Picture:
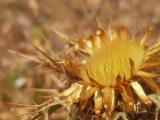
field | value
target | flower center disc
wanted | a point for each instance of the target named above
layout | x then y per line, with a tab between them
111	60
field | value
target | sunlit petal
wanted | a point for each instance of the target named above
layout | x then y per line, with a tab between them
86	93
97	101
128	99
140	93
152	84
146	74
108	99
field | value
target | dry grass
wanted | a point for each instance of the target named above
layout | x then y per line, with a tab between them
22	22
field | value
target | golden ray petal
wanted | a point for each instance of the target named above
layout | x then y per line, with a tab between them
152	84
108	94
149	65
146	36
84	45
122	33
127	97
146	74
76	94
92	42
96	41
151	52
97	101
154	46
140	93
86	93
102	35
70	90
118	33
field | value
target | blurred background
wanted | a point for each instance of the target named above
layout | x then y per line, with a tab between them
22	21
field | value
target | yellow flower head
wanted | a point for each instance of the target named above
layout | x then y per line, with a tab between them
116	63
113	59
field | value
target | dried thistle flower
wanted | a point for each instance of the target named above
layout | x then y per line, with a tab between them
116	63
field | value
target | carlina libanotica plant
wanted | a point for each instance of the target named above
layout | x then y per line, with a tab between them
115	69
